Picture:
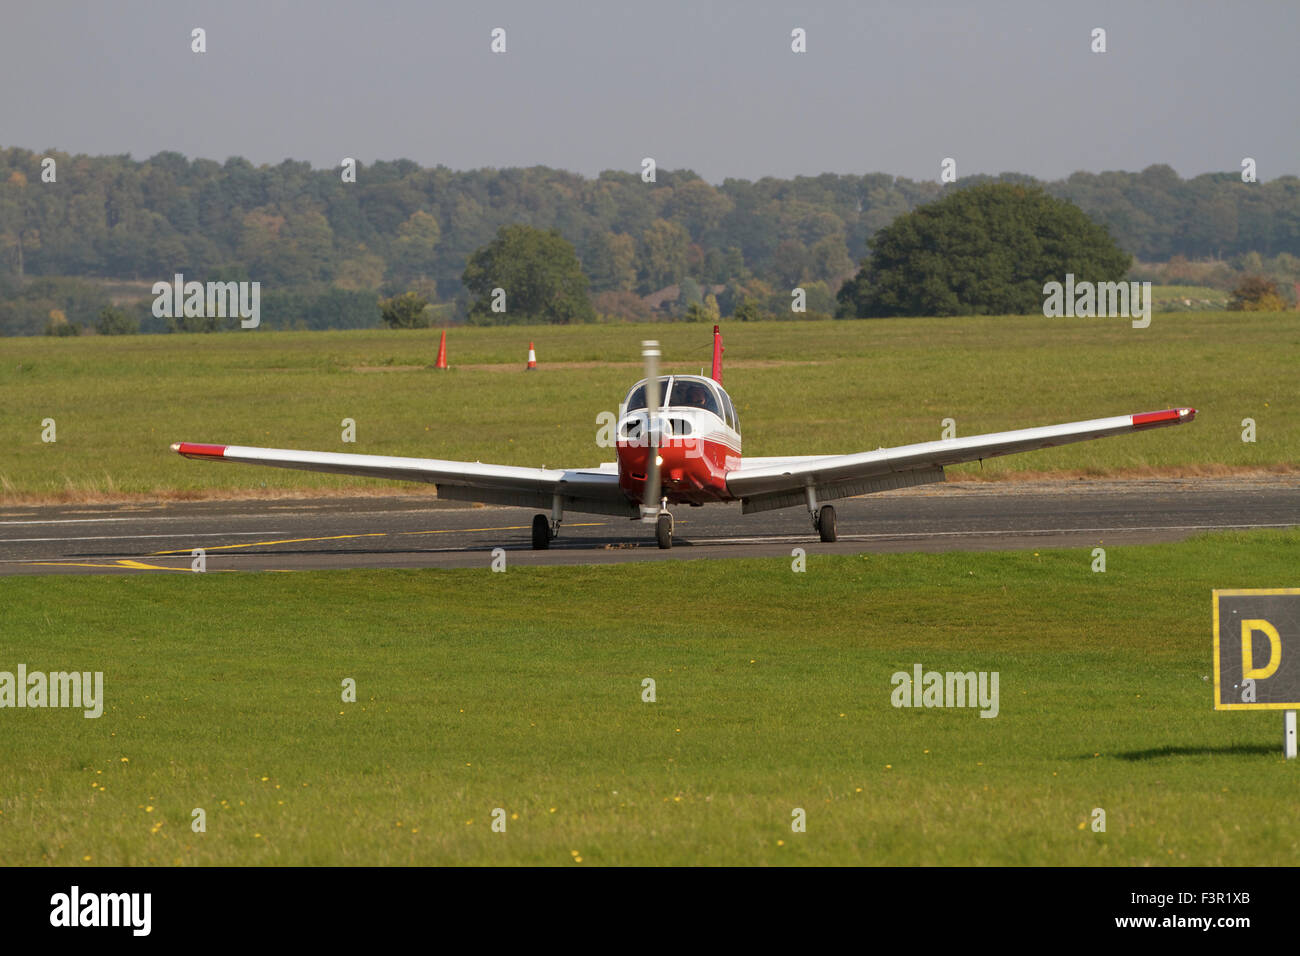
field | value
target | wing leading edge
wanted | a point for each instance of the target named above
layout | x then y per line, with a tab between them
588	490
781	483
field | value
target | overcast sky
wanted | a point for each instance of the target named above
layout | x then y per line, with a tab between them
713	87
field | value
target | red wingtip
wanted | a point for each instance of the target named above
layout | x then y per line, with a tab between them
196	450
1170	416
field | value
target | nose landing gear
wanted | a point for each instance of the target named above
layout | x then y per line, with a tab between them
664	530
663	523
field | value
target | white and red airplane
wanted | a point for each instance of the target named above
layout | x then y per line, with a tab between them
678	442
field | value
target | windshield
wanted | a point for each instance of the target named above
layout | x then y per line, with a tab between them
637	399
685	393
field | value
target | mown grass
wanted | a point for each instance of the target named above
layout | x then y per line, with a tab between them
801	388
523	691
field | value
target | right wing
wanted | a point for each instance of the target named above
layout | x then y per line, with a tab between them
587	490
763	484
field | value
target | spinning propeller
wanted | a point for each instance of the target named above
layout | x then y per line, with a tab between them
650	501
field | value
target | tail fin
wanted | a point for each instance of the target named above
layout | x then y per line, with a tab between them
717	356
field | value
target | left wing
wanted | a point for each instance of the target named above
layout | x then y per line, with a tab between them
764	484
589	490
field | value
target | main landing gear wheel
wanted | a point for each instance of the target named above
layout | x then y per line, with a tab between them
826	523
541	533
664	531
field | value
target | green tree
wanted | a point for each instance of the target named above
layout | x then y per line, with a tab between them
413	252
310	254
706	311
792	262
663	254
15	234
115	321
610	261
689	293
410	310
747	311
362	270
259	246
830	260
985	250
403	228
539	277
698	207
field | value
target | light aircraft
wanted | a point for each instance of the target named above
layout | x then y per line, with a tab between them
678	443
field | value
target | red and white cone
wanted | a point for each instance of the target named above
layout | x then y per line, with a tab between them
532	358
442	351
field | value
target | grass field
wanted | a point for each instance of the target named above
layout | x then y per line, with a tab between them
801	388
1177	298
523	691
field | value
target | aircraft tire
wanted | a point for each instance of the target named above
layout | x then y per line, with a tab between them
664	532
541	533
826	523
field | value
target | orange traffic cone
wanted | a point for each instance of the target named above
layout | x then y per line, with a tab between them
442	351
532	359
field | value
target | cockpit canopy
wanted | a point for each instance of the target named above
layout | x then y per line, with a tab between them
687	391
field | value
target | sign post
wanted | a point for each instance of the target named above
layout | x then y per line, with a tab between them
1257	654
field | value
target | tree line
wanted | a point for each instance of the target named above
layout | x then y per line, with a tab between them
321	244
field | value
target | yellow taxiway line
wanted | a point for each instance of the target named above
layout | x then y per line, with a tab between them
514	527
120	563
371	534
254	544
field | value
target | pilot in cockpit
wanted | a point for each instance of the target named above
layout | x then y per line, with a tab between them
697	397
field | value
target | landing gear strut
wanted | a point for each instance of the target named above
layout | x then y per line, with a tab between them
543	530
663	522
823	518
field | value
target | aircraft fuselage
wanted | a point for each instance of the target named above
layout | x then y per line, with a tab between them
698	441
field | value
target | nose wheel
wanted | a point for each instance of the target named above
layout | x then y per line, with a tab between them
664	531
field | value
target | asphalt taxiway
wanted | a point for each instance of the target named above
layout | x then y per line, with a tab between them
416	531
